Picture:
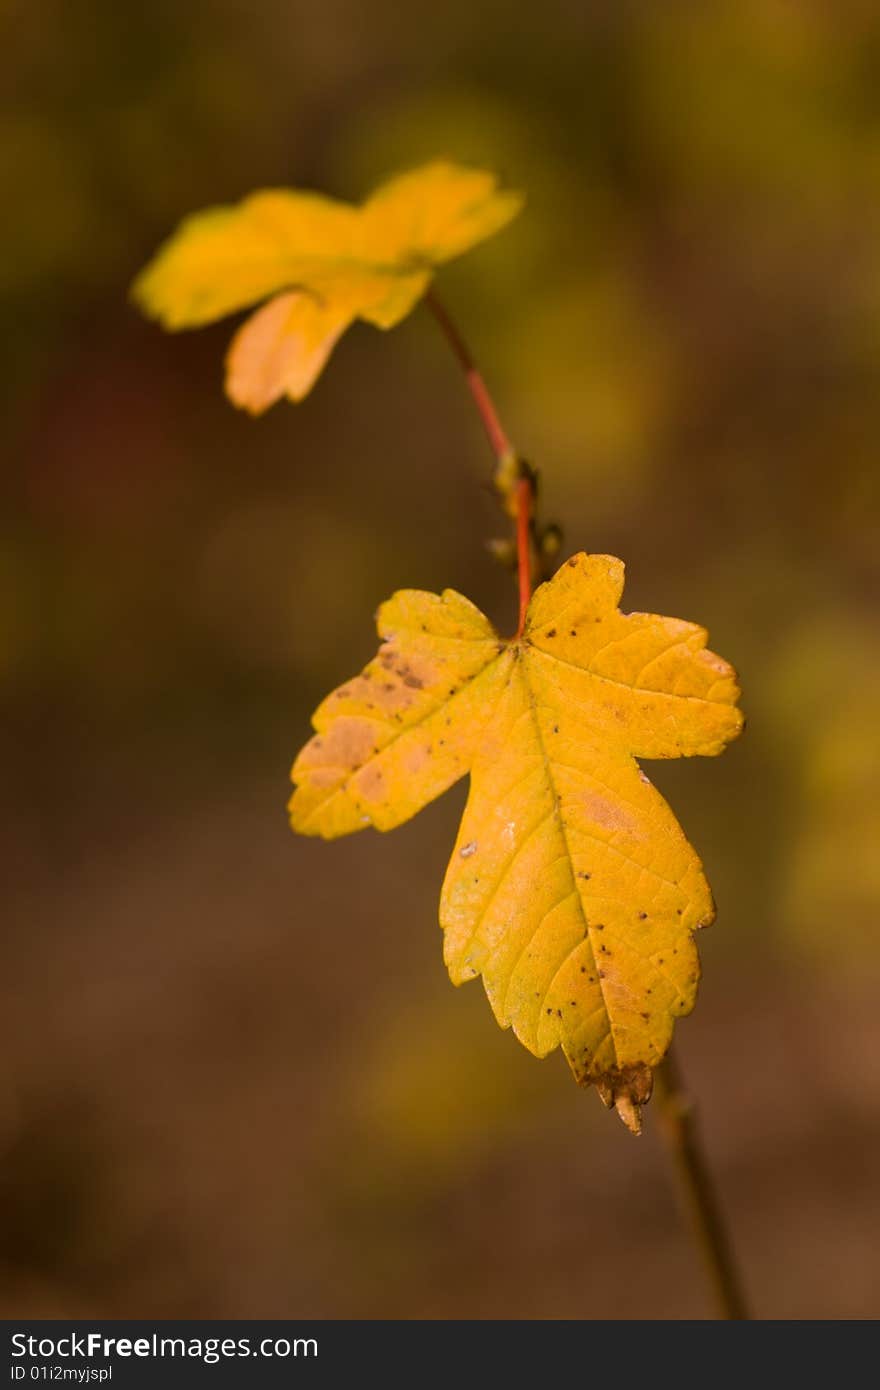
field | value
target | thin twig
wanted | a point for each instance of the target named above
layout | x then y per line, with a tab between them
677	1116
523	491
524	501
498	440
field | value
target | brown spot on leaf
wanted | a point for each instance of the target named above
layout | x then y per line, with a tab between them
608	813
371	781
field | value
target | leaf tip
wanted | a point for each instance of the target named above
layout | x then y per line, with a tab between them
627	1089
630	1113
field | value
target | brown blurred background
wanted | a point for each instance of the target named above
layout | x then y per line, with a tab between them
232	1081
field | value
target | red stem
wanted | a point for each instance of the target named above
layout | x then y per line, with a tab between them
524	547
501	447
498	440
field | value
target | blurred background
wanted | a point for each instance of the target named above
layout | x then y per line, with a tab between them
233	1082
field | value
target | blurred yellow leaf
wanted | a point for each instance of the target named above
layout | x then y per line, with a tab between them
571	889
333	261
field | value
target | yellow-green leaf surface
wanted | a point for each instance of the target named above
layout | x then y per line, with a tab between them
328	262
572	889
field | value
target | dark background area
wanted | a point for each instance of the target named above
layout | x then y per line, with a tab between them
234	1079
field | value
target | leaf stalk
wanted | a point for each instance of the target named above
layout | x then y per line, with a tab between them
514	481
524	502
495	433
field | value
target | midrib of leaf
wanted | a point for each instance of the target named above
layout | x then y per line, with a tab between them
548	766
416	265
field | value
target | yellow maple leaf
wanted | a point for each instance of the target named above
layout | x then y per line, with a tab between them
572	889
326	263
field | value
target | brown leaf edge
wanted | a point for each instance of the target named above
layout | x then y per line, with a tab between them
627	1089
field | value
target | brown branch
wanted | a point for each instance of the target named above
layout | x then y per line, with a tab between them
677	1116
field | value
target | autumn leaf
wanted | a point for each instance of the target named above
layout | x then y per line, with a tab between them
572	889
324	263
